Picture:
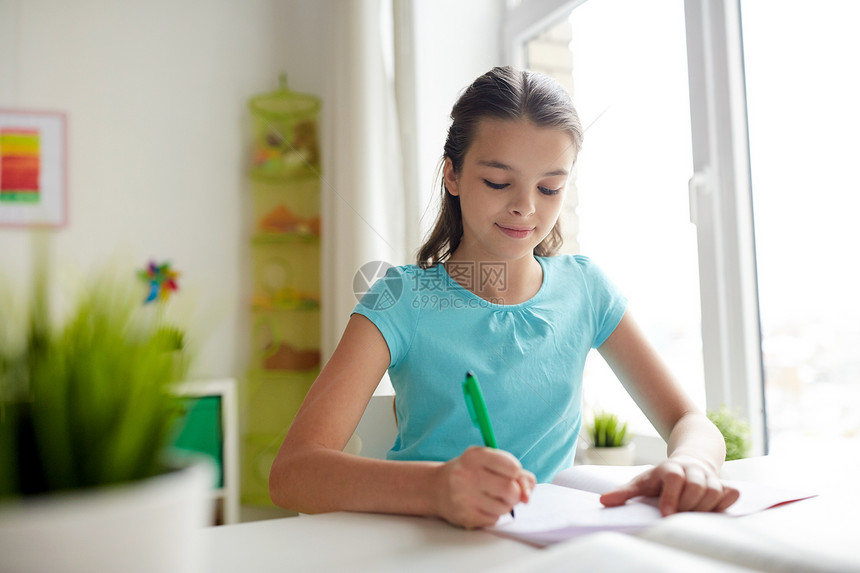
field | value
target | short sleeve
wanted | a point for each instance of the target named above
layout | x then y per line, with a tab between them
608	303
388	305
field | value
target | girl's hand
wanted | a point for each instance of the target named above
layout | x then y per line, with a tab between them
480	485
683	483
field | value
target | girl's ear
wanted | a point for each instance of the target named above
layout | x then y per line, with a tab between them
450	178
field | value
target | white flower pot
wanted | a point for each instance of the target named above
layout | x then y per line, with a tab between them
147	526
621	456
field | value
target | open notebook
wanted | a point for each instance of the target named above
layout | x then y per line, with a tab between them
684	542
570	506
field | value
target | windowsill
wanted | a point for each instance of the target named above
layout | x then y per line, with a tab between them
650	448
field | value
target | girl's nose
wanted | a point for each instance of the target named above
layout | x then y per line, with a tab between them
522	203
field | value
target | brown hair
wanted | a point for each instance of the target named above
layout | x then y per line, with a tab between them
508	94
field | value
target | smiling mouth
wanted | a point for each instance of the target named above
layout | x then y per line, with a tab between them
516	232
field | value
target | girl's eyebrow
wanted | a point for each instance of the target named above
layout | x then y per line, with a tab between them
496	164
506	167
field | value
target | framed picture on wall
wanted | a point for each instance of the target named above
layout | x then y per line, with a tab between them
32	168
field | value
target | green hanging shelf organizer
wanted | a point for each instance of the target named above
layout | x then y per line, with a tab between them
285	134
285	254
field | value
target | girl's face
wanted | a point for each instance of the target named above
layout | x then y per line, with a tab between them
511	187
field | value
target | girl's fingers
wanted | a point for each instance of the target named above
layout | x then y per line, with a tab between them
714	494
491	483
621	495
506	490
498	461
673	486
526	481
730	495
647	484
694	489
504	476
681	487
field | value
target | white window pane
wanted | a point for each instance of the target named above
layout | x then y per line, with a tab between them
630	88
802	94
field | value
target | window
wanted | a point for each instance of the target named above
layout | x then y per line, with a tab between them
804	120
645	93
628	208
774	125
630	87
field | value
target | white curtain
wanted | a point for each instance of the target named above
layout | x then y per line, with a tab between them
363	213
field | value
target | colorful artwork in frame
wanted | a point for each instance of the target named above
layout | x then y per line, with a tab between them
32	168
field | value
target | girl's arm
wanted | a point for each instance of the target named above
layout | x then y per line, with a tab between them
689	479
312	474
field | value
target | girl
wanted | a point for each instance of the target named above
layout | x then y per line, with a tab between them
489	294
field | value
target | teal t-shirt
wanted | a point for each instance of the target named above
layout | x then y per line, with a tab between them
528	357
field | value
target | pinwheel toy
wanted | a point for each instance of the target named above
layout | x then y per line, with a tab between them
162	281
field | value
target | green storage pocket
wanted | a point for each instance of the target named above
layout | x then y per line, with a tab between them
200	430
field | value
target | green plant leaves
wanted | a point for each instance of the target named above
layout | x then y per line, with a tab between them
88	402
736	432
605	431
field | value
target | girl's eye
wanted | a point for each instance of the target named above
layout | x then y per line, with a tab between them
492	185
544	190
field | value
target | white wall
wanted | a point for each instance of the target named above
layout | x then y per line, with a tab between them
155	93
455	42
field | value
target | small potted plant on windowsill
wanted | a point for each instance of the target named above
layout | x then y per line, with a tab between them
609	441
735	431
86	413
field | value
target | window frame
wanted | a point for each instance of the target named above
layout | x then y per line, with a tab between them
523	21
721	208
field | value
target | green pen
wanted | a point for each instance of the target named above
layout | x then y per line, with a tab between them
478	411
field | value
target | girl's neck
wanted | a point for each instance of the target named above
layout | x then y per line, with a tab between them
507	282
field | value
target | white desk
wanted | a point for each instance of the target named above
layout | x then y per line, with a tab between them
355	542
380	543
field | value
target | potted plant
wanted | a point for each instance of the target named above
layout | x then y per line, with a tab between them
735	431
609	441
86	412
